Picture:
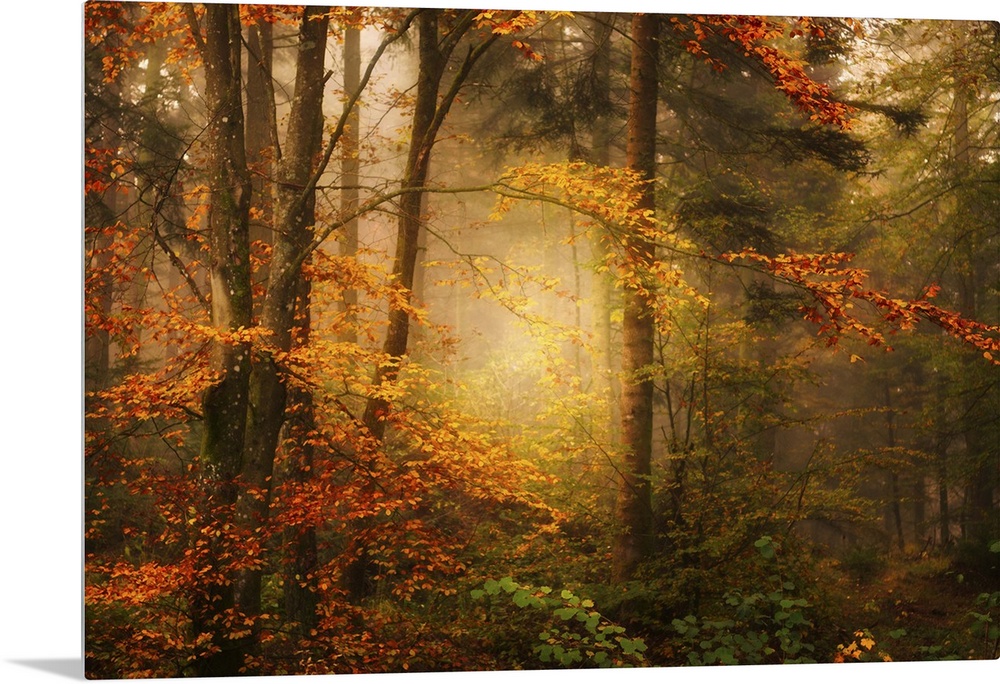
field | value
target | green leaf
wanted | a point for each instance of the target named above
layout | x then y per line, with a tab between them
521	598
508	584
569	657
492	587
566	613
477	593
765	546
725	656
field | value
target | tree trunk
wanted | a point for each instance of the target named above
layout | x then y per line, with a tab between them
293	219
349	166
982	518
634	505
421	140
261	131
430	111
300	594
944	510
603	281
225	403
895	505
428	115
431	69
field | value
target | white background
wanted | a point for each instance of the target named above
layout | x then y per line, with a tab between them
41	333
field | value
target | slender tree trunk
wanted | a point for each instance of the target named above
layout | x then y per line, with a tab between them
944	512
429	113
895	506
102	214
603	281
421	140
349	167
261	131
634	505
431	69
917	491
982	517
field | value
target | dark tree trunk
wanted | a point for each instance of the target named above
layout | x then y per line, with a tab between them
982	517
634	507
431	69
261	131
225	403
895	505
944	506
429	113
300	594
293	218
432	64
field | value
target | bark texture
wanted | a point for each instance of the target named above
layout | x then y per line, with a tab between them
225	403
293	220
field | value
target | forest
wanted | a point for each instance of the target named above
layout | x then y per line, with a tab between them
423	340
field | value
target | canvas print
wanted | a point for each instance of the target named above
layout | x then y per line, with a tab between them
437	339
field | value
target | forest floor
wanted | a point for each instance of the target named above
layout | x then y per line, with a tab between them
928	598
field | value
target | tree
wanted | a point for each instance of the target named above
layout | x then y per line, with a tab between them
227	401
293	219
634	512
430	110
349	163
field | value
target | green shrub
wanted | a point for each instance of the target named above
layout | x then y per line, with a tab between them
986	616
759	627
574	634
